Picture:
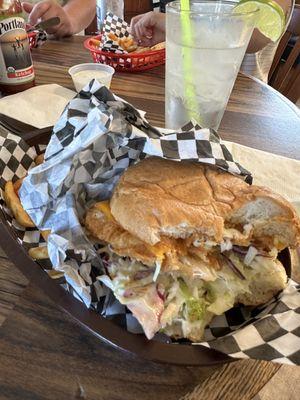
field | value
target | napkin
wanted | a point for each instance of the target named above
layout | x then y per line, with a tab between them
40	106
278	173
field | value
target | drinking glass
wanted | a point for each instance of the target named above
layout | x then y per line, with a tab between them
202	64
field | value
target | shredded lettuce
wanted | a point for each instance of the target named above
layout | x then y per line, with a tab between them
184	288
195	309
189	302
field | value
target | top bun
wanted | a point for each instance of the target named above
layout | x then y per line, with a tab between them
158	197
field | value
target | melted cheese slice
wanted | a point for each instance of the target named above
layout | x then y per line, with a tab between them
104	207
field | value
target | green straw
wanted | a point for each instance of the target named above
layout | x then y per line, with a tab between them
189	89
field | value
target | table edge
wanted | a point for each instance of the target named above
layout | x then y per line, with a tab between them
288	102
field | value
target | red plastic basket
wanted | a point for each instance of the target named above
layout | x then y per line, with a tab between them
131	62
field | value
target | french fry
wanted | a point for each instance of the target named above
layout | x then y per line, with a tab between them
140	49
39	159
95	42
13	202
55	274
39	253
45	234
18	184
127	44
159	46
132	48
112	36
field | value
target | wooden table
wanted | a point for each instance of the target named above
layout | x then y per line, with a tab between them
46	355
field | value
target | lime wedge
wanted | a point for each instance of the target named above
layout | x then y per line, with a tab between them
271	18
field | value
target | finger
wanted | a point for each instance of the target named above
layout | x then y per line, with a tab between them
139	24
143	29
59	31
148	33
55	30
144	32
133	25
146	42
138	33
147	25
27	7
38	12
53	12
134	21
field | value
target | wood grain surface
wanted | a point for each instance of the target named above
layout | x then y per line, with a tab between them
46	355
12	284
256	115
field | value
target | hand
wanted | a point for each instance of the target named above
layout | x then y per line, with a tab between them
47	9
149	29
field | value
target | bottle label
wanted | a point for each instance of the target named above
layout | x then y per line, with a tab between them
15	57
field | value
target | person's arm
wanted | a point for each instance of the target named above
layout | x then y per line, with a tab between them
74	16
81	13
258	40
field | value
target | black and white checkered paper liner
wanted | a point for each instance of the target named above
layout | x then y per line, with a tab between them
117	26
41	37
95	140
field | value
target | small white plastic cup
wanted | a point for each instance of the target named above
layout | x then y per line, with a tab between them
82	74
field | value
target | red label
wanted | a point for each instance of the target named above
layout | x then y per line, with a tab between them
20	74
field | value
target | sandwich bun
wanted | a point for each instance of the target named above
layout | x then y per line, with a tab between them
160	198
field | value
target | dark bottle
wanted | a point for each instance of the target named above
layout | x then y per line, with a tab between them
16	69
